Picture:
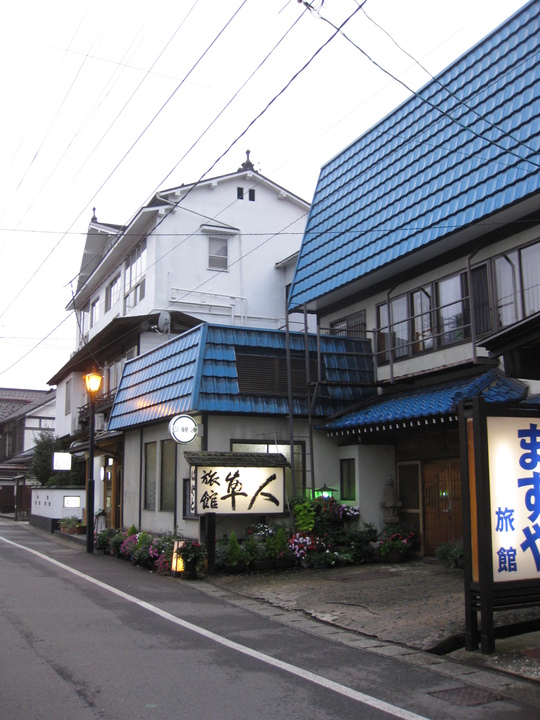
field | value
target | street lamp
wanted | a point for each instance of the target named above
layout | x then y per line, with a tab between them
93	383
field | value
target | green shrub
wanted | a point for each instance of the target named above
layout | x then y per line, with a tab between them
221	554
141	554
103	539
450	553
236	554
116	541
277	545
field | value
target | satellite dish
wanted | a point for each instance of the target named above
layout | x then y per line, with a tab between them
164	321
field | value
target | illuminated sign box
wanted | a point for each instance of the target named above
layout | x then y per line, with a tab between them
253	485
72	501
61	461
514	477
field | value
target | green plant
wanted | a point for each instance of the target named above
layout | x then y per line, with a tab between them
360	544
304	515
221	554
236	554
277	546
256	550
450	553
115	542
194	556
45	445
69	523
103	539
141	553
161	552
193	552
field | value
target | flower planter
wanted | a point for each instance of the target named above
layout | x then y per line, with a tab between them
235	569
394	557
263	565
284	563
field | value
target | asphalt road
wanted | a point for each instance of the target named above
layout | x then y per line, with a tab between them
86	637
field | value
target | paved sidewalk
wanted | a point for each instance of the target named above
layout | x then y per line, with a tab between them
419	604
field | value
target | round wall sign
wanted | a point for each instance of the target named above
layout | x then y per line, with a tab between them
183	429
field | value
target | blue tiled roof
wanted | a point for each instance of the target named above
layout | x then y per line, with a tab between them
197	372
417	176
432	401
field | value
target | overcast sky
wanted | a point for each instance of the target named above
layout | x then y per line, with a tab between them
106	102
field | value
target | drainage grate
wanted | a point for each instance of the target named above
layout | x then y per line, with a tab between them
466	696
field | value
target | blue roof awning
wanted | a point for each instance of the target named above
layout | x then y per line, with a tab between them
422	404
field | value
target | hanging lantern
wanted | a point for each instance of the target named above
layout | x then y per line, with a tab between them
325	492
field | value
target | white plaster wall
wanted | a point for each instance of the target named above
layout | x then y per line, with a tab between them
68	424
132	466
41	420
49	502
220	431
268	231
374	465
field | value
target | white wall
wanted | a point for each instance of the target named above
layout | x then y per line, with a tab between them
68	424
49	502
374	465
220	431
250	292
42	419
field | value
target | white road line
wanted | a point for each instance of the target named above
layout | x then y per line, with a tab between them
287	667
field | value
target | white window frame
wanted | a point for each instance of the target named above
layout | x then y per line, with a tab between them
94	312
218	261
113	292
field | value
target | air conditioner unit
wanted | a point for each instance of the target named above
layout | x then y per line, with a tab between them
99	422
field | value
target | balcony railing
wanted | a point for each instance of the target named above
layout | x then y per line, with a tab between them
103	405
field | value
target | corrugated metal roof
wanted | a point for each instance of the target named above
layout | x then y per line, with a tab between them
430	168
432	401
197	372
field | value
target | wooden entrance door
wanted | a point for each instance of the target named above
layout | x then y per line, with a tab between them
443	521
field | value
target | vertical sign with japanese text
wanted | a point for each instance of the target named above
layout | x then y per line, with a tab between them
514	479
240	490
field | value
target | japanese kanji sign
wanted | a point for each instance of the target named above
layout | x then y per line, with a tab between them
230	490
514	478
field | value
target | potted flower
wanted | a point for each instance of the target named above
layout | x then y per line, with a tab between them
397	543
194	556
69	524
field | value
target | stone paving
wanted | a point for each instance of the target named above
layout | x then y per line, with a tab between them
389	602
418	604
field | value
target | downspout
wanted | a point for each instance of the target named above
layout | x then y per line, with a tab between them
290	397
141	447
471	307
310	427
390	326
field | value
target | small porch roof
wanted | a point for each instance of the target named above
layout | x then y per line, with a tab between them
421	405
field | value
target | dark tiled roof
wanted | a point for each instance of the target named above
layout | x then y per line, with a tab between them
231	459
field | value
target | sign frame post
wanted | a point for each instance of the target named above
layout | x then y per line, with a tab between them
490	442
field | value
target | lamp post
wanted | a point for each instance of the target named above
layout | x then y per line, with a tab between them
93	383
